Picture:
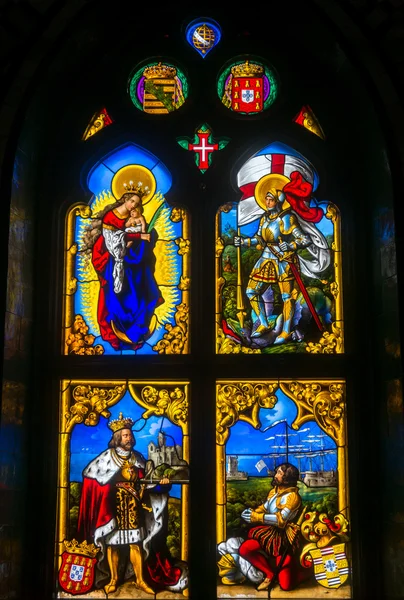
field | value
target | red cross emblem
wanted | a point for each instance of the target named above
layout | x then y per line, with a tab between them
203	146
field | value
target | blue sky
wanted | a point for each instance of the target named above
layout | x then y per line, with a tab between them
304	444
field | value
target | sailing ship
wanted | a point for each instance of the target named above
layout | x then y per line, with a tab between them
312	457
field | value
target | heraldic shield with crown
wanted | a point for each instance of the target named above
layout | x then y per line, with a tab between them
76	573
247	88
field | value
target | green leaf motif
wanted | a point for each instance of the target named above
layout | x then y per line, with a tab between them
222	144
164	97
183	142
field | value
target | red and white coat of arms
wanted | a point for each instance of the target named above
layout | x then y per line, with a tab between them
76	574
247	94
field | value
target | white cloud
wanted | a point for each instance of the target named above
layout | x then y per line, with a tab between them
272	414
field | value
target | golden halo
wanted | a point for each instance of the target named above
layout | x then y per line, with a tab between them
273	181
135	173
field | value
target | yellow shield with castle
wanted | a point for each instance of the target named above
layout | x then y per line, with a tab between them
330	565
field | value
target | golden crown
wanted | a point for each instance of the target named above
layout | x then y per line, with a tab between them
136	188
247	69
84	549
160	71
121	423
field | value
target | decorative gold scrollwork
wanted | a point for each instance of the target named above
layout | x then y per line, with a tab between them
219	247
168	401
332	213
185	283
90	403
84	211
310	122
241	401
183	246
71	286
177	214
330	343
334	289
80	341
174	341
322	401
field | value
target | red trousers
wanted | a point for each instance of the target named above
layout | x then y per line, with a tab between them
289	575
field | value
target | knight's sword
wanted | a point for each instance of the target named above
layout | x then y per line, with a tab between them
301	285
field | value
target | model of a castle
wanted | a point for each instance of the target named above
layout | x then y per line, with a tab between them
161	453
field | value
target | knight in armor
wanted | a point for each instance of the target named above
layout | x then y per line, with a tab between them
273	537
279	235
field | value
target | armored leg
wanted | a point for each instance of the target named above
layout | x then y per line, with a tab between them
254	292
289	299
113	559
136	558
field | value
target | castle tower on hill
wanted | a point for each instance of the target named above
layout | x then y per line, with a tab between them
232	471
162	453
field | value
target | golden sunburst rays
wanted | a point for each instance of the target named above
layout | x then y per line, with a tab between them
88	284
89	291
163	225
151	207
168	263
168	266
165	312
101	201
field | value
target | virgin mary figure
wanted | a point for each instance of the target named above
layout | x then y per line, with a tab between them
125	263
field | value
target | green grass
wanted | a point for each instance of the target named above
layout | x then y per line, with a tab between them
254	492
262	485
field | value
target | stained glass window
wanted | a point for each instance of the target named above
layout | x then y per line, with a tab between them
127	257
282	489
123	512
278	260
282	506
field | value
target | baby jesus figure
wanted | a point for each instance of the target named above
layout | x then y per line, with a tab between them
136	223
